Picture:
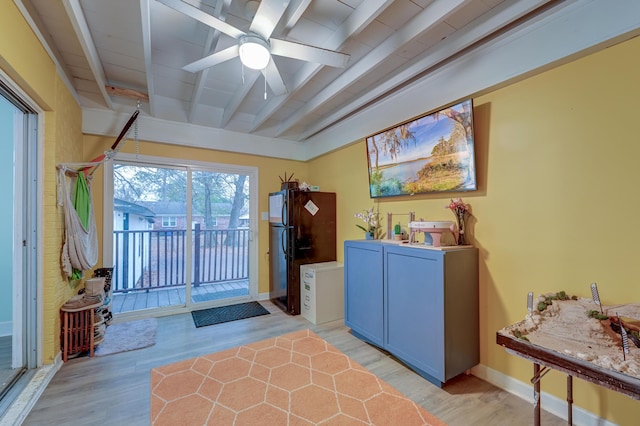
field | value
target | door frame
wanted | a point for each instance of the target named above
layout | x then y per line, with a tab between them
190	166
27	252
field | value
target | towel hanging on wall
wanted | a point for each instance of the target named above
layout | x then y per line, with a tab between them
80	249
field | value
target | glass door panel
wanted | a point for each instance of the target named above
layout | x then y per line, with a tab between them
150	232
221	235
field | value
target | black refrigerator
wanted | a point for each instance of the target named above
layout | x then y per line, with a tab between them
302	230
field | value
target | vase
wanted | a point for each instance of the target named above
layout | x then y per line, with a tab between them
369	236
461	240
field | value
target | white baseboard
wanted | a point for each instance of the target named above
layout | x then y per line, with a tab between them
6	328
550	403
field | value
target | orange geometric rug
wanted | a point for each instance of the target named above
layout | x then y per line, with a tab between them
294	379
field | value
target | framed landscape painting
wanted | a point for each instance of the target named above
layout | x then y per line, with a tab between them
433	153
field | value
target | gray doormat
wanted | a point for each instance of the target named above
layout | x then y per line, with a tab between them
222	314
128	336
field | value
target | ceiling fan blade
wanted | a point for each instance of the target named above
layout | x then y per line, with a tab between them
274	79
203	17
267	17
308	53
211	60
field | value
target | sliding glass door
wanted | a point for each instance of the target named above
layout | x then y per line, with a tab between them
19	350
181	235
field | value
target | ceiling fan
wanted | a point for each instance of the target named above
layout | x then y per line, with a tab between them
256	47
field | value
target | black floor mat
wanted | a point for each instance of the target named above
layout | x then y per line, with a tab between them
222	314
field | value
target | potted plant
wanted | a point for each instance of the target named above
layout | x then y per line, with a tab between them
371	219
397	232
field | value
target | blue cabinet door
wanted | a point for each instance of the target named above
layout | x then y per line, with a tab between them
414	308
363	290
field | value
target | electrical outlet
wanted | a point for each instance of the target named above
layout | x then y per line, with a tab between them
265	215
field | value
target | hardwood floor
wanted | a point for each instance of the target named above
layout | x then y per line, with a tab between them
114	389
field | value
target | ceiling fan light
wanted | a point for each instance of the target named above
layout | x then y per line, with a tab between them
254	52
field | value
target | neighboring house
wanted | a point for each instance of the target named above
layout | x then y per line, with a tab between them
221	216
172	214
222	221
128	256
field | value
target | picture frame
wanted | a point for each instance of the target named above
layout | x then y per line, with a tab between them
432	153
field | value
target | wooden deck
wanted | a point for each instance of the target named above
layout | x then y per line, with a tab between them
155	298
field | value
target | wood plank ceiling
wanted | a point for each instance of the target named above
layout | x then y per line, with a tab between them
115	53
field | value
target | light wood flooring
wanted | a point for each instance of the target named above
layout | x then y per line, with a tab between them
114	389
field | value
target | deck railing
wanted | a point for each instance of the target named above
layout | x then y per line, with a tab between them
157	258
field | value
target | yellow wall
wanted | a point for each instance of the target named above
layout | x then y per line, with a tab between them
269	172
558	175
36	75
555	209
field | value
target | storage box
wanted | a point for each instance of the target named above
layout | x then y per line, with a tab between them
322	291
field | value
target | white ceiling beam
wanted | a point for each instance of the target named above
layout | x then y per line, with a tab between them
430	16
106	122
79	23
573	30
487	24
292	14
145	24
213	36
356	22
35	23
201	16
250	78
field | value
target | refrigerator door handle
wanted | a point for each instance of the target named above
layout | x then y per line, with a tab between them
284	217
282	242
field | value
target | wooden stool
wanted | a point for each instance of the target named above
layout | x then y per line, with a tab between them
78	330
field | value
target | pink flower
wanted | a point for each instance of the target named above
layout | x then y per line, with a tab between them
461	210
457	206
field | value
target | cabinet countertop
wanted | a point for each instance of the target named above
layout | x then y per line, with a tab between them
416	245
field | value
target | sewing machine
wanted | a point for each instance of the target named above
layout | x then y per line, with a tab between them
433	229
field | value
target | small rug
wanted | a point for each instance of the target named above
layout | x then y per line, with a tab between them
128	336
222	314
294	379
220	295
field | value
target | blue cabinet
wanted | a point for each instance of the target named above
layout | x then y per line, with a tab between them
429	304
363	296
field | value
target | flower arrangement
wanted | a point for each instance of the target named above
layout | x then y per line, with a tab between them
461	211
372	220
